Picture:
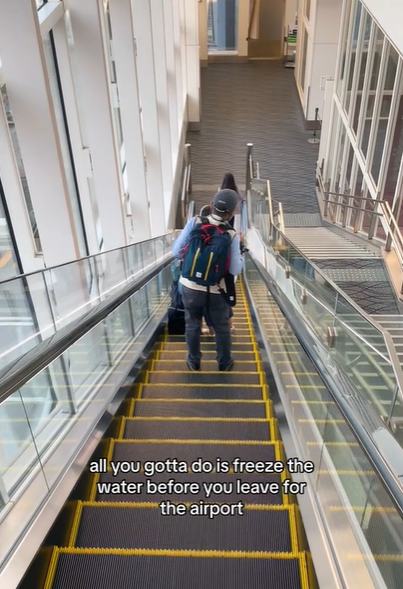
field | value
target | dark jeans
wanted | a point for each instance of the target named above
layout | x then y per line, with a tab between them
208	320
195	303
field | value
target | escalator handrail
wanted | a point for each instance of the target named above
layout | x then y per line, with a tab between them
15	375
394	359
90	257
341	389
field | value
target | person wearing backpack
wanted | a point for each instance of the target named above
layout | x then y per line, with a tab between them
210	250
205	211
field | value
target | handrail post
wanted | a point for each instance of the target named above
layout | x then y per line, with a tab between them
249	156
372	224
188	147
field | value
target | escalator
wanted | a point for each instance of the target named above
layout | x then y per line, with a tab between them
190	484
246	531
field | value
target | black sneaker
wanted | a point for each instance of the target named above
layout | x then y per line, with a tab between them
226	367
195	366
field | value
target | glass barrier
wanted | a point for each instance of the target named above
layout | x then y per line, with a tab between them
35	306
36	419
366	529
355	343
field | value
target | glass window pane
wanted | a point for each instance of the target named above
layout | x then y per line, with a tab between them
81	115
343	49
8	261
222	25
395	156
61	120
20	164
303	59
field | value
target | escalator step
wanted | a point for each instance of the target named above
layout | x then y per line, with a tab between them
236	338
161	451
189	409
205	345
196	430
108	493
160	391
207	355
205	378
145	527
206	364
106	571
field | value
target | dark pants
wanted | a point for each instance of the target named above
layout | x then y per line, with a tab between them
209	322
195	303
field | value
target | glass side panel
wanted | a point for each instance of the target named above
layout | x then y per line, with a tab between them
33	307
345	484
37	422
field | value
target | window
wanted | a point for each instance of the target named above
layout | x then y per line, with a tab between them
52	67
21	169
8	260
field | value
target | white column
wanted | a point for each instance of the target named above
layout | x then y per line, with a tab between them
14	195
94	87
124	51
182	26
171	77
24	71
148	99
203	29
160	60
326	119
75	132
193	61
324	36
243	28
179	57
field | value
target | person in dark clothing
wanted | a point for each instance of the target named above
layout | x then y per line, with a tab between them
229	183
209	330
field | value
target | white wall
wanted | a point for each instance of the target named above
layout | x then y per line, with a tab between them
323	37
153	142
389	16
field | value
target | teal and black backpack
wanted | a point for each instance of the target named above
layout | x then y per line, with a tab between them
207	256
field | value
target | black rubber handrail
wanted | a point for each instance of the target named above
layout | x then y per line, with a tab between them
15	375
341	390
84	258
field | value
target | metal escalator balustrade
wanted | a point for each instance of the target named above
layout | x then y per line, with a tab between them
363	350
52	403
117	539
363	524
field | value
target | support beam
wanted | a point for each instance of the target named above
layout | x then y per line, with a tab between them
124	50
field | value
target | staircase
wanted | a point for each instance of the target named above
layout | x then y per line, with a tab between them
320	243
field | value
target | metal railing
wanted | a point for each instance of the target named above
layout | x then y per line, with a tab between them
336	204
186	188
263	219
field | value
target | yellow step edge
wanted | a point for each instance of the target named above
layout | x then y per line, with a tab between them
203	419
54	560
195	441
305	386
181	553
201	372
313	421
278	445
359	509
76	524
195	384
144	505
165	400
334	444
153	505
